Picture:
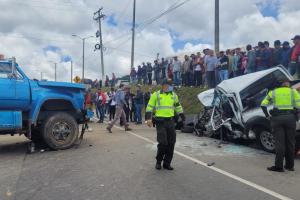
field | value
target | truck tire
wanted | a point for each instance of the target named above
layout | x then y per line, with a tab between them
265	139
60	131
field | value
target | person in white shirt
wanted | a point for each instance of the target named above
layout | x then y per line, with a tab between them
112	105
106	109
176	70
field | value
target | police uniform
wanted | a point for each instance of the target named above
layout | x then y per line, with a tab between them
285	102
164	106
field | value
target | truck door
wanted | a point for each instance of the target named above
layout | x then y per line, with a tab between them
22	91
7	86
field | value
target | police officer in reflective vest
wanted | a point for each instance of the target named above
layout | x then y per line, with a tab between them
285	102
164	105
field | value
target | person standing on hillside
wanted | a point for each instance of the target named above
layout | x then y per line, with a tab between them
251	59
276	53
295	55
286	55
187	71
176	70
223	66
149	73
144	70
210	62
133	74
157	73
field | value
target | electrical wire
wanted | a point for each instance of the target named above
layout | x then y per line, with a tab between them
59	9
146	23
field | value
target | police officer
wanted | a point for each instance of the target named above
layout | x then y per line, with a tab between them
164	104
285	101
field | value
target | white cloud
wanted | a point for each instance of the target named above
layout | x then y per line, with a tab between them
35	24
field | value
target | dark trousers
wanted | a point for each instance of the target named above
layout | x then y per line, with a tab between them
112	112
210	79
145	79
127	113
132	115
284	129
166	138
197	78
100	112
188	79
150	78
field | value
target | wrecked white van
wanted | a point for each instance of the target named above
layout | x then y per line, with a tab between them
233	107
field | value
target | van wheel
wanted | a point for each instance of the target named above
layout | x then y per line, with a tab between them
265	139
60	131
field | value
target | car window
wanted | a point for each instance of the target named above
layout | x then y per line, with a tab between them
18	75
254	93
5	70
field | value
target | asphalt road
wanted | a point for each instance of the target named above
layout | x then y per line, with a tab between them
121	166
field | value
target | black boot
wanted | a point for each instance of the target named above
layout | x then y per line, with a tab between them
167	167
291	169
158	166
275	169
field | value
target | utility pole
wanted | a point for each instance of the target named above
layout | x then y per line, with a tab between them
133	34
98	15
83	44
55	67
83	47
71	71
217	26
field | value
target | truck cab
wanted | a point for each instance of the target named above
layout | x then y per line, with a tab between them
43	111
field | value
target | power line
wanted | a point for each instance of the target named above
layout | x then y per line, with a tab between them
124	10
34	5
169	10
146	23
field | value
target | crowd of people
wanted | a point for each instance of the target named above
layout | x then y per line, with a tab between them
207	69
109	82
105	103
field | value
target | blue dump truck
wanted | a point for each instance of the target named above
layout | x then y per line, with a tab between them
44	111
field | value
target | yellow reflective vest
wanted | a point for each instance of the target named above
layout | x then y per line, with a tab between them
283	98
164	104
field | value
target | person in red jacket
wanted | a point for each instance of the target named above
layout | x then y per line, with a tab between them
295	55
88	106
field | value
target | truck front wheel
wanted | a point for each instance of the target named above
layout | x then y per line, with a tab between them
60	131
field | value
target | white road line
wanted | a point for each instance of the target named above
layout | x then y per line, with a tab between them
232	176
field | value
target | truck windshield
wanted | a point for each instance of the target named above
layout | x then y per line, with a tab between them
5	69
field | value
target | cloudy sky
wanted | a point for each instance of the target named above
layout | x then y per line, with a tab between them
39	32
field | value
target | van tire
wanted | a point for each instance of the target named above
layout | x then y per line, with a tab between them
265	139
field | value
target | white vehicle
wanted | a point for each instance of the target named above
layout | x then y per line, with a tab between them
233	107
